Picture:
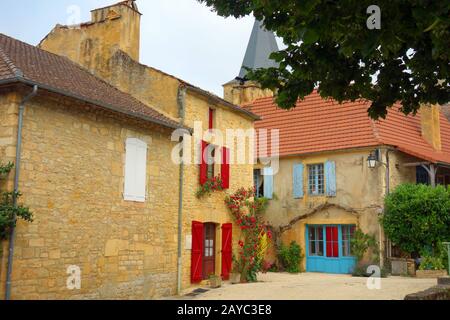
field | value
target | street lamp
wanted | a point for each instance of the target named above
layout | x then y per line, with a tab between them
372	161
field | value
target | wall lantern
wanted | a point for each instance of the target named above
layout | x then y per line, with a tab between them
372	161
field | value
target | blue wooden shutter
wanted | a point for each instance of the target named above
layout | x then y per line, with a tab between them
330	176
298	181
268	183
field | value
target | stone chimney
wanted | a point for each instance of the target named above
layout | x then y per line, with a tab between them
430	117
92	44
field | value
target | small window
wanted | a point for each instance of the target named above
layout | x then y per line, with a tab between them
316	241
211	157
316	179
258	180
348	233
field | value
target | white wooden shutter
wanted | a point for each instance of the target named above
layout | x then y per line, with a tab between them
135	170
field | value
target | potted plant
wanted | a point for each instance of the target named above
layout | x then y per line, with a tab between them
235	276
215	281
431	267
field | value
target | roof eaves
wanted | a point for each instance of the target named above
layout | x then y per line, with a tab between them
94	102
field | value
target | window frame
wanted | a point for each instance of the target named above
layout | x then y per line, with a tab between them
318	178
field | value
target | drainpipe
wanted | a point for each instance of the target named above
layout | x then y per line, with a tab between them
182	112
16	189
387	191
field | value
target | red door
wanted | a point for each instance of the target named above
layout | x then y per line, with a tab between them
332	242
227	255
197	252
209	252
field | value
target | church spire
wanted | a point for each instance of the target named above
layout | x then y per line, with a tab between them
261	45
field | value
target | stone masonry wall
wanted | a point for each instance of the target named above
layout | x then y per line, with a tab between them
72	179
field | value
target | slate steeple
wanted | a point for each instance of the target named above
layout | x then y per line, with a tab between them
261	45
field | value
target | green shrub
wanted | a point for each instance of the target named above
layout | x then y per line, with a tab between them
291	257
9	213
363	243
431	263
417	217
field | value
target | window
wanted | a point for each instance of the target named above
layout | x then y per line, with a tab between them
258	179
348	233
211	114
316	179
316	241
211	155
135	170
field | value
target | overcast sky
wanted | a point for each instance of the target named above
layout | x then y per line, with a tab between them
180	37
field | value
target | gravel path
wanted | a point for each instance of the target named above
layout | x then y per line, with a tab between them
312	286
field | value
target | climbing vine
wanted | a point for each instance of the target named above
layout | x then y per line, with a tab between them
247	212
8	211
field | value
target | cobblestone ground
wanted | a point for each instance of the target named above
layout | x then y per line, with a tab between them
312	286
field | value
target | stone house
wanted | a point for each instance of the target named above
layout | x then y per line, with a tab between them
113	209
336	164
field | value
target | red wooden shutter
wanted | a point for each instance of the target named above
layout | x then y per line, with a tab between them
211	119
203	164
197	252
227	238
225	168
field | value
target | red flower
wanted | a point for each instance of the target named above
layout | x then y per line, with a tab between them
241	244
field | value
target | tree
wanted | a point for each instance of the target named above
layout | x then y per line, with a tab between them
330	46
417	218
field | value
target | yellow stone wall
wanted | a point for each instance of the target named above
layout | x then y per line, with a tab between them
360	193
242	94
211	209
72	179
8	133
92	44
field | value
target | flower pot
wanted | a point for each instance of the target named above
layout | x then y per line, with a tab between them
235	278
431	274
215	282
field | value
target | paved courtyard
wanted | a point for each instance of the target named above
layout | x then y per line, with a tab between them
312	286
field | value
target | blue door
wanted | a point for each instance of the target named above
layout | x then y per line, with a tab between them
328	249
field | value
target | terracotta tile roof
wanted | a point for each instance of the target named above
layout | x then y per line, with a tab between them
21	62
318	125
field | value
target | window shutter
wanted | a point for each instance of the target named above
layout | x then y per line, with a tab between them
268	183
330	176
211	119
225	172
227	254
197	252
203	163
135	170
298	181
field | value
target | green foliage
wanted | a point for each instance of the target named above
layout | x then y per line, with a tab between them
291	257
8	212
211	185
417	217
431	263
362	243
247	213
5	169
329	45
